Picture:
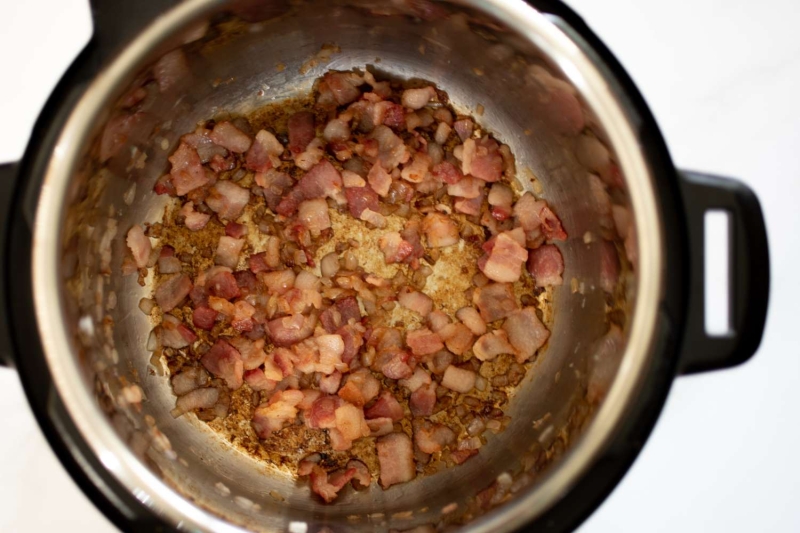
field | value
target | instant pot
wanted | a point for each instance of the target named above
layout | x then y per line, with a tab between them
69	321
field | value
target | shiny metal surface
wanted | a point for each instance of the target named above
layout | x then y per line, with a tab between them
482	54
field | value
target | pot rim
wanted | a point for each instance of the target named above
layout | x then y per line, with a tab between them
597	88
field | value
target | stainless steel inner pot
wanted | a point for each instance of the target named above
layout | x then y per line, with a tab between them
481	52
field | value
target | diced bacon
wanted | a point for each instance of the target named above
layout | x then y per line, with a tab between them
396	366
225	362
172	291
495	301
432	438
274	185
271	417
313	214
546	265
417	380
171	70
394	248
362	477
330	384
227	199
174	334
361	198
352	337
199	295
328	487
264	153
457	337
187	170
460	456
394	116
204	318
482	159
235	230
386	406
252	353
418	98
247	282
169	265
230	137
379	180
258	263
464	128
525	332
192	219
300	301
242	316
278	282
415	301
609	266
437	320
331	348
301	131
343	86
350	422
228	250
443	131
336	130
492	344
424	342
323	180
221	306
283	359
312	155
417	170
501	198
373	217
189	380
380	426
467	187
471	318
470	207
223	285
341	313
289	330
504	260
551	224
258	381
396	459
440	230
309	397
447	172
526	212
196	399
459	379
139	245
423	400
351	179
392	151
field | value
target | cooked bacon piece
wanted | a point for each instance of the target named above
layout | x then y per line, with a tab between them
457	337
196	399
471	206
264	153
443	131
525	332
386	406
396	459
225	362
330	384
330	353
352	336
312	155
380	426
192	219
174	334
322	414
459	379
447	172
417	380
482	159
438	320
546	265
252	354
328	487
361	198
415	301
350	422
609	266
362	477
172	291
188	380
187	172
379	179
391	150
228	250
139	245
424	342
501	198
394	248
492	344
278	282
417	170
418	98
343	86
340	314
171	70
394	364
551	224
504	257
459	456
471	318
440	230
230	137
432	438
323	180
274	185
301	131
467	187
257	380
289	330
423	400
223	285
204	318
313	214
464	128
336	130
360	388
273	416
495	301
227	199
222	306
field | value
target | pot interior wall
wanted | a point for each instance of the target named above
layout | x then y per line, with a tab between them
240	66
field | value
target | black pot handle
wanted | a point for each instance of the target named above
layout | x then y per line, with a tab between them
8	179
749	273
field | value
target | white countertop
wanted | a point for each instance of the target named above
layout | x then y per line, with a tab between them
723	83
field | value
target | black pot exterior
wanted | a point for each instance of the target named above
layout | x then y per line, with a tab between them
19	189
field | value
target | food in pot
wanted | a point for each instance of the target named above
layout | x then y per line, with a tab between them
356	274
